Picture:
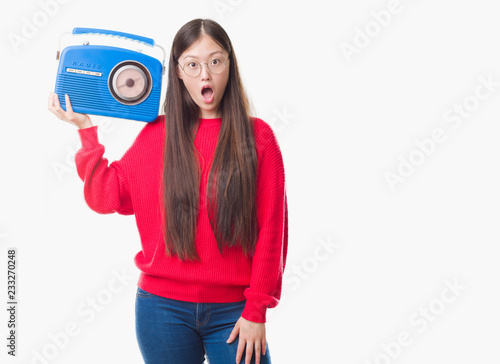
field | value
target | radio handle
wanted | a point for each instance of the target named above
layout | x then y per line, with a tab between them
138	38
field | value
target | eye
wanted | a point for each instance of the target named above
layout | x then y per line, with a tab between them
215	62
192	65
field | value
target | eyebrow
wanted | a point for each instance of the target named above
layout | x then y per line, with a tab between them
187	56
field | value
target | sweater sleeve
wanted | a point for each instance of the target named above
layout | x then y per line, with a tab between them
269	259
106	189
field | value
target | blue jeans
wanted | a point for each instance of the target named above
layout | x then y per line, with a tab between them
179	332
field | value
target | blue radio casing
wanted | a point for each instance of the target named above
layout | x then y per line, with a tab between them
84	74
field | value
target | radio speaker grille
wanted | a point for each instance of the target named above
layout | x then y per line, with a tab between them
87	93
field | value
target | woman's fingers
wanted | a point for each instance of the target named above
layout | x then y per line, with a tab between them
54	105
257	353
77	119
57	105
51	100
240	349
69	108
70	115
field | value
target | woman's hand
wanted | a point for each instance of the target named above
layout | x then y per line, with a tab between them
251	333
80	120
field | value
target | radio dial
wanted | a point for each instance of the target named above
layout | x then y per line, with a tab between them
130	82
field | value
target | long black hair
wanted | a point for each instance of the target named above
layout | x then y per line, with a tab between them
231	189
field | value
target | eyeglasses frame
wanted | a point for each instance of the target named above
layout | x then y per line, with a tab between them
202	63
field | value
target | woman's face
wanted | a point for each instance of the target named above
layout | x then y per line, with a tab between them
205	51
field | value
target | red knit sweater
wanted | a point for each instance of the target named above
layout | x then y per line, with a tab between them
131	185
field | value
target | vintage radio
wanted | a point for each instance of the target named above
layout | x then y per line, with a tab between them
108	80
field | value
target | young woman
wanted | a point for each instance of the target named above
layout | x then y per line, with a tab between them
206	183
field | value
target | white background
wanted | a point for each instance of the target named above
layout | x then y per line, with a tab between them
343	123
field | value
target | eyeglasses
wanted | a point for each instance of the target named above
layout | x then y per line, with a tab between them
215	65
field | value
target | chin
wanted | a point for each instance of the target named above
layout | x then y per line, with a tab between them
209	111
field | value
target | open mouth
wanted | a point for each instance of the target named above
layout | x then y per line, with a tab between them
208	93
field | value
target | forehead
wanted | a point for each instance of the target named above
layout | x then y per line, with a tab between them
203	48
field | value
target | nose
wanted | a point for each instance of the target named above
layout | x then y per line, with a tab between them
205	73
